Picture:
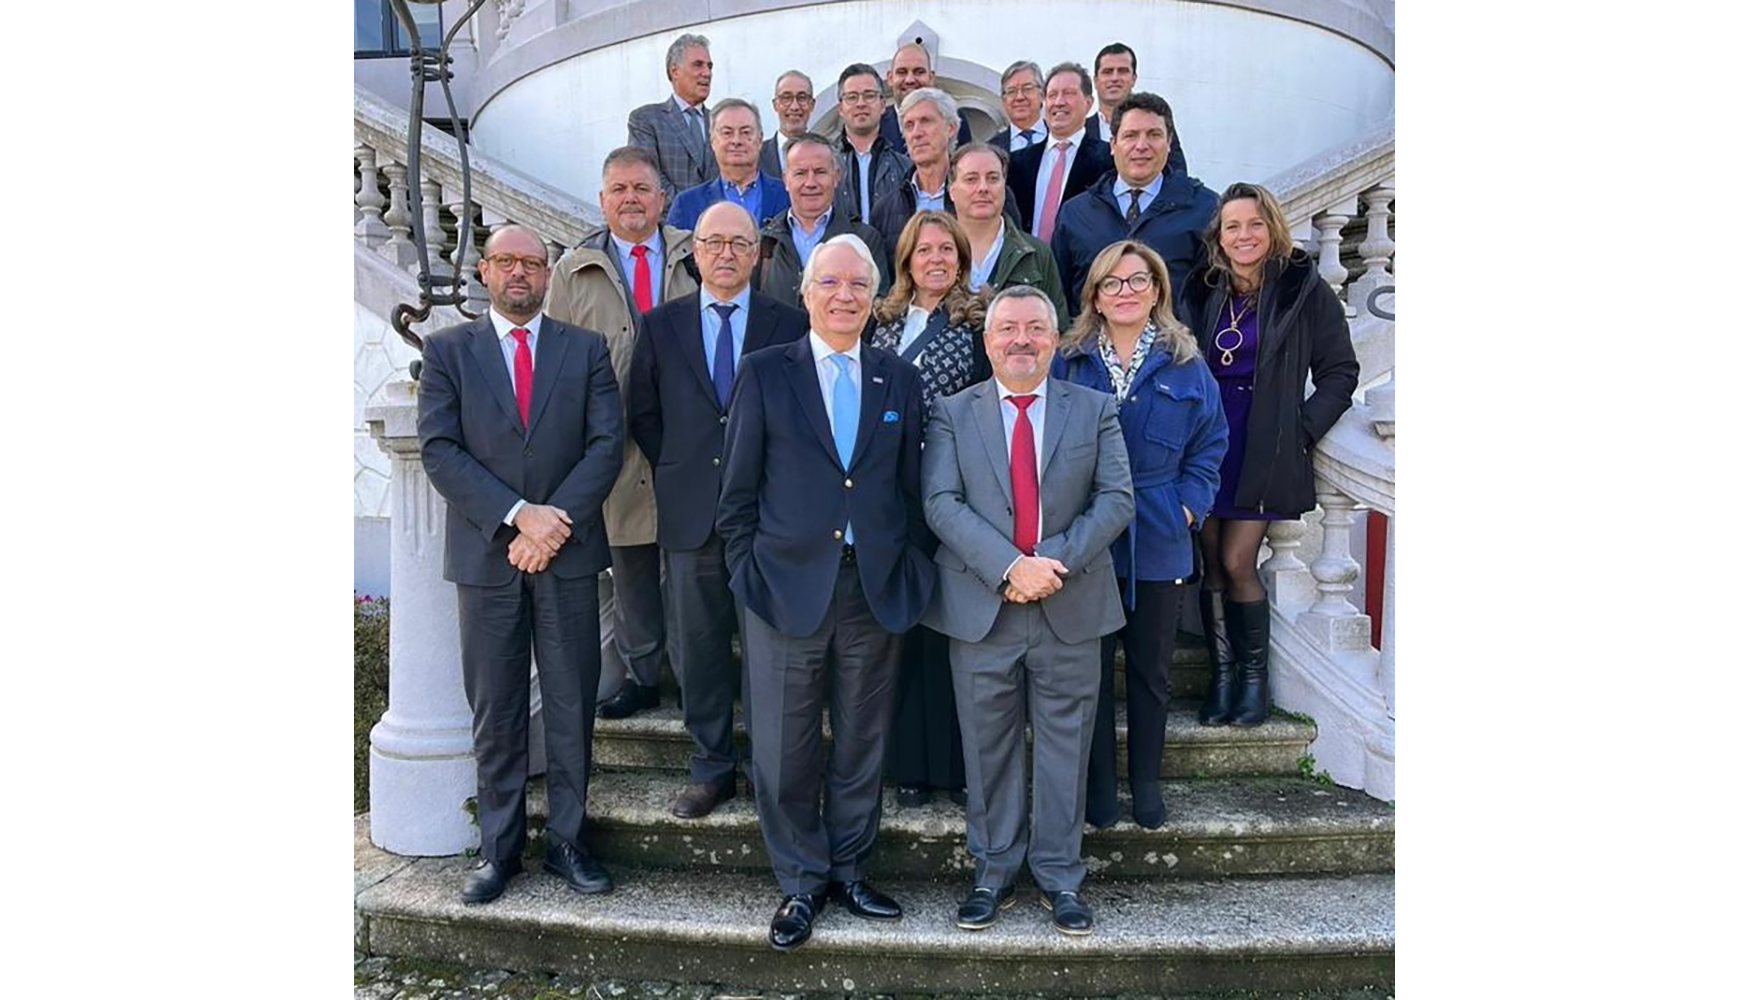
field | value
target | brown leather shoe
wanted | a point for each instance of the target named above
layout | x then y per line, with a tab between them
698	799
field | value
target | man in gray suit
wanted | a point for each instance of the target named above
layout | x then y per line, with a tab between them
1026	484
675	130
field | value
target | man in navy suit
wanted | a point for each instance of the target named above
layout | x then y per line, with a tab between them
1044	177
735	142
824	535
520	432
677	405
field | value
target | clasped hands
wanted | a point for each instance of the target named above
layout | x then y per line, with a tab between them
1034	578
541	529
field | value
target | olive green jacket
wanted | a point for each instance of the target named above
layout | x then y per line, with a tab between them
1025	260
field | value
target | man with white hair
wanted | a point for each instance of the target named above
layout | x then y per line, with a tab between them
824	538
912	68
675	130
926	116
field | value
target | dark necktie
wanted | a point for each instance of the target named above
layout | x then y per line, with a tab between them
1134	212
723	359
1024	476
524	364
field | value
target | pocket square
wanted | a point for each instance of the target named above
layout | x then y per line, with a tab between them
890	417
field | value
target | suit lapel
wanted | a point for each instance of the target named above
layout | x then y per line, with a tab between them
692	345
987	416
806	384
1056	418
550	350
695	142
490	356
876	378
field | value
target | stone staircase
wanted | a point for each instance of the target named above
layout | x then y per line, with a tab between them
1261	879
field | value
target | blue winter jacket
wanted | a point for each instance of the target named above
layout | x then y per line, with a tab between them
691	203
1176	435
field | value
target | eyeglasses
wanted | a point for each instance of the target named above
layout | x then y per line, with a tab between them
861	97
507	263
1029	89
741	245
831	285
1141	281
795	98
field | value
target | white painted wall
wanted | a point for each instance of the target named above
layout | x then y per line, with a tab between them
1252	93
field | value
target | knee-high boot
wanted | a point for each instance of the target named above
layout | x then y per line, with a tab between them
1217	706
1251	639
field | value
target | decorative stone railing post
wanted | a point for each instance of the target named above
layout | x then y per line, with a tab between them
430	204
1284	574
399	247
1332	622
368	201
466	256
1330	224
422	761
1377	248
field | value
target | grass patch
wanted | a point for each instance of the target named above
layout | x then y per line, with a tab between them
1306	764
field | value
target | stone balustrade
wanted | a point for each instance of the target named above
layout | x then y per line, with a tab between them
383	220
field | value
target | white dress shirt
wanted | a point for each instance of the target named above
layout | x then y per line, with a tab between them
1019	138
1047	164
916	318
1036	417
507	347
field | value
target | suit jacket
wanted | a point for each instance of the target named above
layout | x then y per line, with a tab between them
769	156
1093	158
691	203
682	154
673	414
1085	499
786	496
482	461
589	290
895	138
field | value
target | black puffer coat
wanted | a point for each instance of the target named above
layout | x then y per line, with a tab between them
1302	329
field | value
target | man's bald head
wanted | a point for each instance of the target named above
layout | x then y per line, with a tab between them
726	244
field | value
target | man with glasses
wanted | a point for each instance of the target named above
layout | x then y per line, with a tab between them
677	406
1023	86
825	542
735	141
793	100
911	70
520	433
612	277
815	216
1045	176
870	164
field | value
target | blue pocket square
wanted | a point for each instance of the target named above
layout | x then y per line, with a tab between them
890	417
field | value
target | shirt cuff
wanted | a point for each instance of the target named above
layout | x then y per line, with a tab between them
510	518
1012	566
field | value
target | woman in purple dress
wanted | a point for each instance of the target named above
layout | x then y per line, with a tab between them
1264	320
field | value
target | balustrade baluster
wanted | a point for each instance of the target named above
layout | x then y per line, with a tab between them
431	206
399	246
466	256
1330	224
368	201
1332	621
1284	575
1377	248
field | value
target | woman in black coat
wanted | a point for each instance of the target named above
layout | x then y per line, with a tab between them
1264	320
933	319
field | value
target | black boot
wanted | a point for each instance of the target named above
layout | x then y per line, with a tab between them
1218	703
1251	639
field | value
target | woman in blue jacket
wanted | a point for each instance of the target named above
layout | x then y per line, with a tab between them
1125	341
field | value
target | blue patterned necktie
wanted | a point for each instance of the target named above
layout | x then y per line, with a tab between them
723	358
845	393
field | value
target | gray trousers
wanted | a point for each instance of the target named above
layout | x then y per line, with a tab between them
1022	669
820	826
701	619
638	622
562	618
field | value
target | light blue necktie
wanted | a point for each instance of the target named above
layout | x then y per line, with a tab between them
845	393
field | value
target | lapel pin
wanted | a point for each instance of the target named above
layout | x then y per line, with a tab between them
878	380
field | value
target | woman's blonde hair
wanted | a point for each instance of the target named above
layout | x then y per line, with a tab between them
1275	223
1173	335
963	304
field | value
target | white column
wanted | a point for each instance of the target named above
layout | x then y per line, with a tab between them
1334	624
422	750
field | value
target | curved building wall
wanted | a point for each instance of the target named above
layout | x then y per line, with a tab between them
1253	92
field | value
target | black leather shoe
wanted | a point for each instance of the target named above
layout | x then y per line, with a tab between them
911	796
794	922
979	910
488	879
698	799
580	871
1068	913
864	900
631	699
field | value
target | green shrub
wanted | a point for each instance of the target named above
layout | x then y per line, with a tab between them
370	687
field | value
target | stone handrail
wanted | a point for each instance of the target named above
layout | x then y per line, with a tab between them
499	193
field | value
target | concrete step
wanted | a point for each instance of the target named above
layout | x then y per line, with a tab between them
658	739
1217	827
1158	936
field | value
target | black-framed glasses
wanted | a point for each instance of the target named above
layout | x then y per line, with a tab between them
1141	281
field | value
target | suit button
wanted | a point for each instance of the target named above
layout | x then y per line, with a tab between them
717	461
528	453
847	484
723	419
837	534
1133	399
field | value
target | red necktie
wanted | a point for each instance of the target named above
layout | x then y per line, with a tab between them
524	364
1024	476
641	278
1053	193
